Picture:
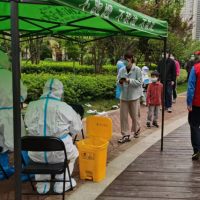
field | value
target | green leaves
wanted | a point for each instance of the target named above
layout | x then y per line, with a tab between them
183	76
64	68
77	88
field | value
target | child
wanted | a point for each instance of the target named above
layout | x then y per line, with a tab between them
145	82
154	99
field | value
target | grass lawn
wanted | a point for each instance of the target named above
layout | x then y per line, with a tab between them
100	105
182	88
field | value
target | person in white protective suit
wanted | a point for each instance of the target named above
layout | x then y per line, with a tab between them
50	117
145	82
6	105
6	115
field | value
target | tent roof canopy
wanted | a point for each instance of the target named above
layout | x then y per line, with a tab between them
98	18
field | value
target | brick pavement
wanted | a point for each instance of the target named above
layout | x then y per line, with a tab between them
114	149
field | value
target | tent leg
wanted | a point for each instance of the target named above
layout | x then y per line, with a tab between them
164	85
16	96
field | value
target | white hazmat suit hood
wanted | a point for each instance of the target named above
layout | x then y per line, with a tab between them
145	71
50	117
6	104
53	89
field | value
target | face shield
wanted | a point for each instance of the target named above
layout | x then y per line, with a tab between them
145	70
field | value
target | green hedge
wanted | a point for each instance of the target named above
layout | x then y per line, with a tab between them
77	88
64	68
67	68
183	76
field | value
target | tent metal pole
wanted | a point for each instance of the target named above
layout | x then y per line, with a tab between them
164	86
16	96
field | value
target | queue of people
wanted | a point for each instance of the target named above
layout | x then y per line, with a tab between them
170	78
46	117
192	62
135	84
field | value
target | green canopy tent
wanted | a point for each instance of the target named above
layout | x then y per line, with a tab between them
102	18
63	18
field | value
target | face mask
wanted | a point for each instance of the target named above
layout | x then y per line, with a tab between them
172	57
126	63
163	56
192	58
153	80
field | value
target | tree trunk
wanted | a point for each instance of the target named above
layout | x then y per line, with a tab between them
147	59
31	50
98	61
26	53
6	45
82	55
95	59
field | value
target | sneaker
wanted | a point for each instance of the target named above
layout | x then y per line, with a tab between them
124	139
148	125
137	133
174	101
195	156
144	103
169	110
155	124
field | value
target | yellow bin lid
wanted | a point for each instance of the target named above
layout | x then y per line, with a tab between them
100	127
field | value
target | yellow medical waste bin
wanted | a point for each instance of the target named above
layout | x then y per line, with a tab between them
93	150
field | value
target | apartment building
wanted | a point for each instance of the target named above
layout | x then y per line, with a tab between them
191	10
196	20
187	11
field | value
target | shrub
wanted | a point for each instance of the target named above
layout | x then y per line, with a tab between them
67	67
77	88
64	68
183	77
49	60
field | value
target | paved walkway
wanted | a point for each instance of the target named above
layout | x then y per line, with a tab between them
171	174
114	149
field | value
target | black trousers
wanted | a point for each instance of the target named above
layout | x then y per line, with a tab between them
174	90
194	121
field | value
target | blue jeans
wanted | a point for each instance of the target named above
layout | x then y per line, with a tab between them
168	94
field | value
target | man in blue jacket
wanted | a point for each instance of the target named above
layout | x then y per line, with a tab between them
193	103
